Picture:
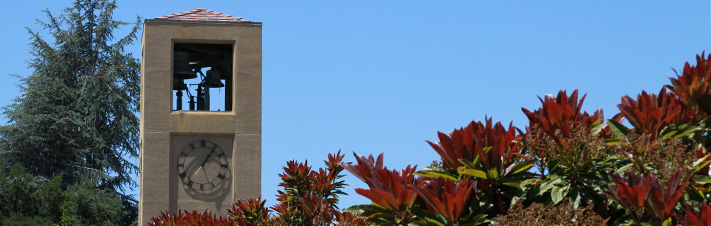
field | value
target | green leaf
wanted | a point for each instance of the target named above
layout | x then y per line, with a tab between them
528	182
475	163
477	160
371	207
493	174
612	141
421	213
468	164
687	130
380	221
701	163
512	182
624	169
597	127
667	135
477	220
618	129
426	218
703	180
557	194
549	184
483	219
426	222
472	173
667	222
523	166
436	174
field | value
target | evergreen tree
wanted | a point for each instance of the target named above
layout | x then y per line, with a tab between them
31	200
76	115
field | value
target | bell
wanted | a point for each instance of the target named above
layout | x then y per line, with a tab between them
225	71
179	84
181	66
212	79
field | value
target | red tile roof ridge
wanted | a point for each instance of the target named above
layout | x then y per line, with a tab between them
202	14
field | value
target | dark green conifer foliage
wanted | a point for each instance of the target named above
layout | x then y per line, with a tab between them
30	200
76	115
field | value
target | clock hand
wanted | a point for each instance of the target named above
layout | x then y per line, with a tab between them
207	178
204	161
206	158
196	172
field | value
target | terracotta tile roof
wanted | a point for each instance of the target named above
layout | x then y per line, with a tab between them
201	14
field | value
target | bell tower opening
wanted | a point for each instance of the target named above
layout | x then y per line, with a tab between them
202	76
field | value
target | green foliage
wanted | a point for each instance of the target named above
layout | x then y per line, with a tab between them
36	201
76	112
91	206
22	220
75	118
25	197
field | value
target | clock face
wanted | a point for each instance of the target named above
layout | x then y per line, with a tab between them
202	165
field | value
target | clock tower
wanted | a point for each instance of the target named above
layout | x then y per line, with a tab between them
201	95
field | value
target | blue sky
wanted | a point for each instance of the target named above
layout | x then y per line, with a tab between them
384	76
